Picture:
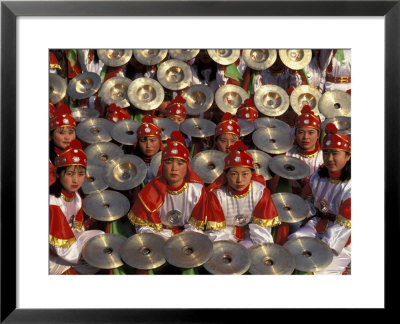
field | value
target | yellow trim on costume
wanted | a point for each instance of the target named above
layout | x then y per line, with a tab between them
335	181
310	156
216	225
60	242
343	221
267	222
77	225
141	222
67	199
197	223
147	208
240	196
178	192
55	66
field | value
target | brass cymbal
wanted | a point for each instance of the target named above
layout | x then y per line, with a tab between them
143	251
342	123
150	56
272	140
261	161
81	114
146	93
183	54
228	257
188	249
289	167
102	251
174	217
271	100
94	130
198	127
246	127
224	56
124	131
57	88
305	95
94	181
125	172
155	163
259	59
295	59
271	259
208	164
311	254
174	74
115	90
114	57
291	208
199	98
230	97
167	126
84	85
99	153
335	103
271	123
106	206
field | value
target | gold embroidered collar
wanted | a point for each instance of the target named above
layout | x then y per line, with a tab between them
178	192
233	195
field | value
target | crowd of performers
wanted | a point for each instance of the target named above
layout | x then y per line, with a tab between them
207	208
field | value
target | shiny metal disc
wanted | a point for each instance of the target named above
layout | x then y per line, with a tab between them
259	59
57	88
271	259
261	162
246	127
230	97
289	167
84	85
272	123
146	93
103	251
94	181
291	208
228	257
208	164
81	114
143	251
224	56
305	95
114	57
167	126
188	249
295	59
125	172
343	124
335	103
99	153
124	131
115	90
150	56
94	130
271	100
183	54
198	127
310	254
155	163
272	140
106	206
199	98
174	74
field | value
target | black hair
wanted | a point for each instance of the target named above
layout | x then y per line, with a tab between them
345	174
52	152
56	187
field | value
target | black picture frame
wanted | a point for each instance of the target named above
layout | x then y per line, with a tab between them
10	10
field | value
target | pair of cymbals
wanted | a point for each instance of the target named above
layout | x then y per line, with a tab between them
271	100
335	103
295	59
230	97
342	123
272	140
208	164
259	59
261	162
155	163
57	88
84	85
198	127
115	90
150	56
167	126
106	206
174	74
94	130
311	254
183	54
81	114
114	57
146	93
291	208
94	181
271	259
99	153
224	56
289	167
305	95
246	127
124	131
199	99
272	123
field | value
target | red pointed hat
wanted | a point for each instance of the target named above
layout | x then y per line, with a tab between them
62	118
148	128
247	110
115	113
176	108
238	156
72	155
228	124
308	119
54	64
175	147
52	109
334	140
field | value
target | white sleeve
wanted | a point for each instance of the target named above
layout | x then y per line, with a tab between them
336	237
166	233
191	228
260	234
325	56
223	234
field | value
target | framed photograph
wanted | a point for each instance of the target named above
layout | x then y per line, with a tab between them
30	28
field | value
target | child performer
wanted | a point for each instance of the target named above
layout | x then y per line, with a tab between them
227	132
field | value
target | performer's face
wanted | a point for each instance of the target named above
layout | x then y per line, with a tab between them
224	141
62	136
306	138
239	178
72	178
149	145
174	171
335	160
177	119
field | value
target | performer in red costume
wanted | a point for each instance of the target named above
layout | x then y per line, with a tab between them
115	113
227	132
176	110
